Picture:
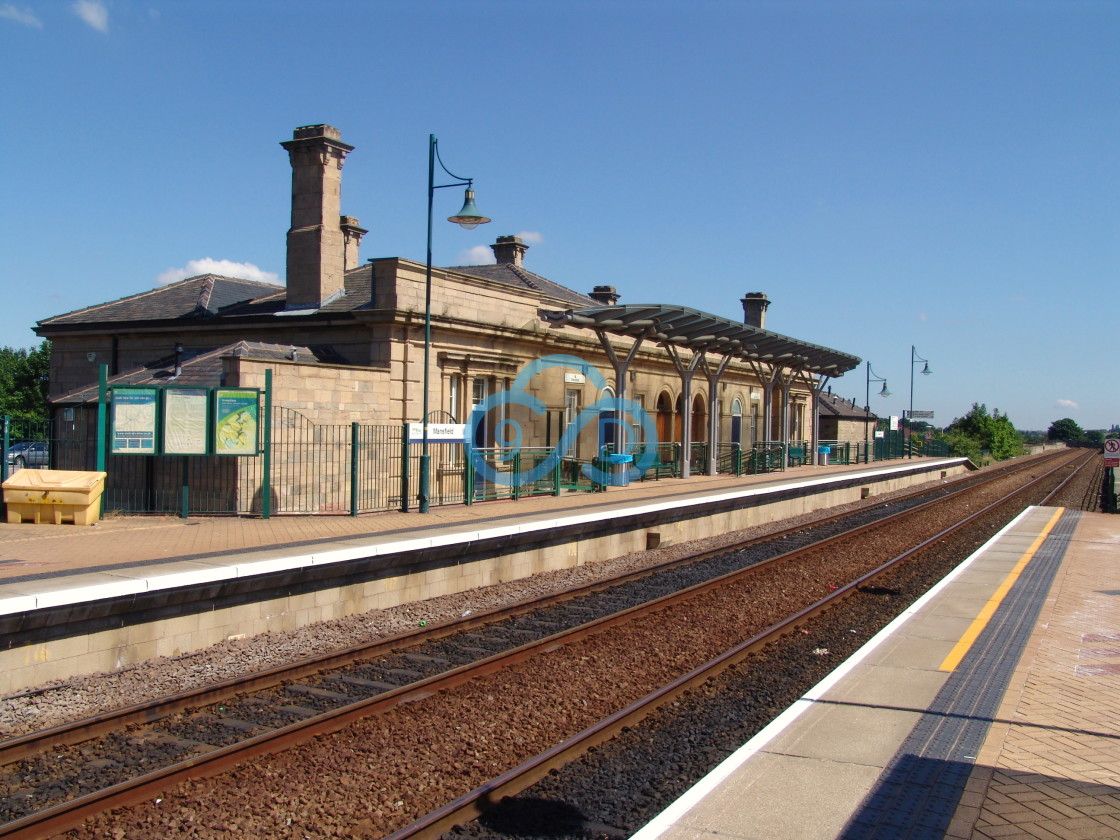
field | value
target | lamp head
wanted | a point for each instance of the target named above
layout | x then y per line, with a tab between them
468	218
884	392
926	371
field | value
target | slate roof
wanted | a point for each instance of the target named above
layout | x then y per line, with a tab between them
213	296
204	296
509	274
204	369
832	405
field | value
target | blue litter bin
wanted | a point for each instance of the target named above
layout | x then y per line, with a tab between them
822	455
620	469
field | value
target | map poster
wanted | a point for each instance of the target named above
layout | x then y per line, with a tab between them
185	421
236	421
134	421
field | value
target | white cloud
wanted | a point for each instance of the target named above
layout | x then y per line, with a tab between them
1067	404
26	17
531	237
478	255
226	268
93	12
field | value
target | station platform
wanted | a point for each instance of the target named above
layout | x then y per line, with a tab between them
987	710
80	599
126	554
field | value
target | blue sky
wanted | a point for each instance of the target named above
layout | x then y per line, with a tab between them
943	175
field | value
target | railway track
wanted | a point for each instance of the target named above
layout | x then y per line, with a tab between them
292	705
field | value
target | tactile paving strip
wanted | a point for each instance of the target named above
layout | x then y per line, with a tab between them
918	792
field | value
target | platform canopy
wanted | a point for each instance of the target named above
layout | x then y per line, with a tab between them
702	332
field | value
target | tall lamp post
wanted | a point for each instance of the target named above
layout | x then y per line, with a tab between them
871	377
914	359
468	218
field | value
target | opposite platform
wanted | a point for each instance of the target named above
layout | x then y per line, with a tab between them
76	600
48	565
987	710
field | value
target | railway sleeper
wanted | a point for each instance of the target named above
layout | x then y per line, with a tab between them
425	659
298	711
318	693
376	686
406	674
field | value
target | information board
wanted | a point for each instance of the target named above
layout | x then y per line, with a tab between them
236	421
184	421
134	421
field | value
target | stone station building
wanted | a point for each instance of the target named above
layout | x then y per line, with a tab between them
344	341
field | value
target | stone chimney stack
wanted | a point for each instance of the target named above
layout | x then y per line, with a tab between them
509	250
606	295
754	309
317	245
352	235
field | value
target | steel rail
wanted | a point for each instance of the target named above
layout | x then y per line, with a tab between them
149	711
1077	470
475	803
70	814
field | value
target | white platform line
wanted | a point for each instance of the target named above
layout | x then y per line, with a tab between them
696	794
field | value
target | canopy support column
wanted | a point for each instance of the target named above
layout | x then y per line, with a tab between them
686	372
713	410
621	379
816	386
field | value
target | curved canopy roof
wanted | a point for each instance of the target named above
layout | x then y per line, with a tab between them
702	332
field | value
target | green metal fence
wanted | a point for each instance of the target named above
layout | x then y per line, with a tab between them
891	445
354	468
839	451
315	468
512	463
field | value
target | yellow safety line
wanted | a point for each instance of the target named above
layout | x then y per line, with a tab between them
981	621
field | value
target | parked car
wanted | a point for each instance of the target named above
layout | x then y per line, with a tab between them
29	454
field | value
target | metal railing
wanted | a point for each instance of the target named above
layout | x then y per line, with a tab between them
353	468
839	451
537	464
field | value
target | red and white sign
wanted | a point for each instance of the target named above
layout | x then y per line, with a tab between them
1112	452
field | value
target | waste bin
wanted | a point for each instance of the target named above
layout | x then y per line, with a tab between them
822	455
620	469
53	496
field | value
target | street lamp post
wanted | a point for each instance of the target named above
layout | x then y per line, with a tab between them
871	377
914	359
468	218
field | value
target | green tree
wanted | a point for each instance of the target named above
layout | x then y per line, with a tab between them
24	377
1065	429
1094	436
979	430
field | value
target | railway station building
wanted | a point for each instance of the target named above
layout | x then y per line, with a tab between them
345	343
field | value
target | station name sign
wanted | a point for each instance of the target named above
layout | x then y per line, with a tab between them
438	432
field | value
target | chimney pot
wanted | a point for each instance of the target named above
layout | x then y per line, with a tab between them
754	309
352	233
606	295
509	250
